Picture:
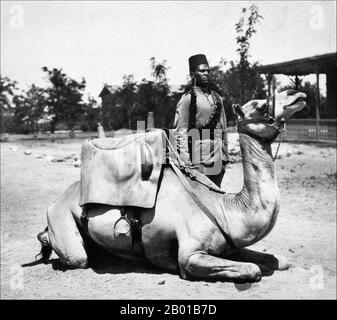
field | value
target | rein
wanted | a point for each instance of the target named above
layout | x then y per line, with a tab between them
186	170
200	204
181	170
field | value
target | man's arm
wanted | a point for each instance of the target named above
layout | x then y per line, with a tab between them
181	127
223	125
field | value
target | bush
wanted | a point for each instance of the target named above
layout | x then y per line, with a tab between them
84	127
7	124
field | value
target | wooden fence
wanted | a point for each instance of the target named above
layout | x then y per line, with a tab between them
311	130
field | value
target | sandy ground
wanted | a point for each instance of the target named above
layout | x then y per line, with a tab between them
305	232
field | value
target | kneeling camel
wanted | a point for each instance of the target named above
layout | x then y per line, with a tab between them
176	235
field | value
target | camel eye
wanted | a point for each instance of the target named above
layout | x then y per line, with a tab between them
262	107
254	104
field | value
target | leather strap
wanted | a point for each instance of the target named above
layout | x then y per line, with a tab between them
201	205
192	110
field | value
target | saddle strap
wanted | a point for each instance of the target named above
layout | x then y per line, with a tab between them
201	205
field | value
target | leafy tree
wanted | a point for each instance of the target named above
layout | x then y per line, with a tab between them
132	102
159	70
247	74
64	99
155	97
126	98
37	100
7	92
30	108
91	115
164	100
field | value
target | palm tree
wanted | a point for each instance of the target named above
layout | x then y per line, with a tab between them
159	70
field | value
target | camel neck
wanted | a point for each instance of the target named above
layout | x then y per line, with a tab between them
258	169
256	205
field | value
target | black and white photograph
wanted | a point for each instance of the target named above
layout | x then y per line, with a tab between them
168	151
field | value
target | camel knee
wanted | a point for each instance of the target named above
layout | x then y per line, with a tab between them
65	238
75	262
190	266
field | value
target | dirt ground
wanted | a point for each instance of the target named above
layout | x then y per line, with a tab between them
305	231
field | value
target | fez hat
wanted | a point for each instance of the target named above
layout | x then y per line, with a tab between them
197	60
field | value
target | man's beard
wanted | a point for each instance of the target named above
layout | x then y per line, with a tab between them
210	86
201	83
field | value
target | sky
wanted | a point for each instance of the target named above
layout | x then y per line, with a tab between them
104	40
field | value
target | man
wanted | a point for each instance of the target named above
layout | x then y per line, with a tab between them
200	124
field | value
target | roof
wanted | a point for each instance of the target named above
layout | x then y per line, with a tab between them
326	63
107	89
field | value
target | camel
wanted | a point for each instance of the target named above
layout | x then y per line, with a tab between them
176	234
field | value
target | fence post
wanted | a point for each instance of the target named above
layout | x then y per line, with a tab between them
317	102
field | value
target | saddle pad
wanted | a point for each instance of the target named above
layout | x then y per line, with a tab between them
122	171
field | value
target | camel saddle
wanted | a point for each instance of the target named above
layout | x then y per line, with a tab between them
122	171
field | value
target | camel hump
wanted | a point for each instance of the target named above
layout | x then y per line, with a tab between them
122	171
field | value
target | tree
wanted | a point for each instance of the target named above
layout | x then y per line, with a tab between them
30	108
64	99
126	97
159	70
164	106
7	93
132	101
91	115
247	74
155	97
37	102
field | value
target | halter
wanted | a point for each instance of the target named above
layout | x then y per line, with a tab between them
278	124
271	107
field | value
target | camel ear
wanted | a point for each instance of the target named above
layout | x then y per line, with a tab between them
236	108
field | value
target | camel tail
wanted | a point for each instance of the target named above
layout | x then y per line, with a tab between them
46	249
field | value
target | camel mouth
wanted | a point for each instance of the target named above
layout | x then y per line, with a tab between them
298	102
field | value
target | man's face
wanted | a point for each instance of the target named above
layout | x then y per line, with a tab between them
201	74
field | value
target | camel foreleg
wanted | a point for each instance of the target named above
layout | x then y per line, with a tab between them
267	262
202	266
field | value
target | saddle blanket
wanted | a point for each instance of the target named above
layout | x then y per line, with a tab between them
122	171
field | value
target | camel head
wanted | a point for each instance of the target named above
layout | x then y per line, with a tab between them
287	103
264	118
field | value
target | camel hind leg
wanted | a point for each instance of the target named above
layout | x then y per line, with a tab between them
63	234
46	249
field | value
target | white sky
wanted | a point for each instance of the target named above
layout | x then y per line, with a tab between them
104	40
